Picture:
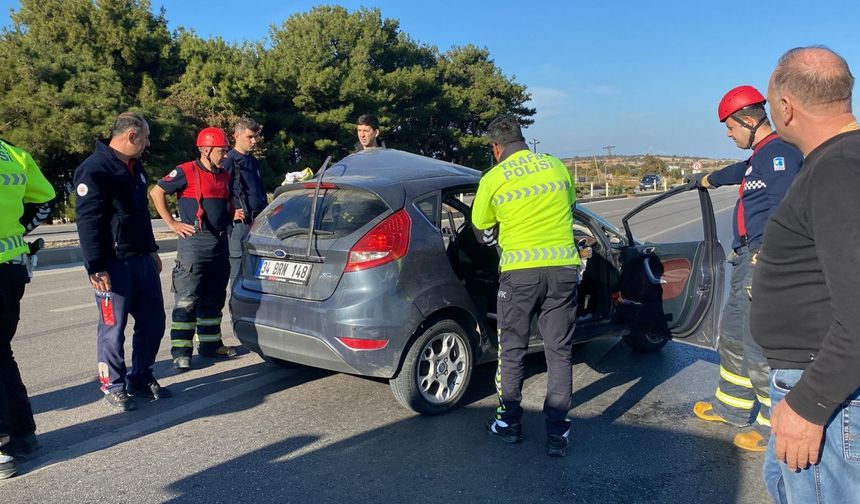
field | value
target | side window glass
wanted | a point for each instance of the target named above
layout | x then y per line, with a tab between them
429	207
455	207
677	218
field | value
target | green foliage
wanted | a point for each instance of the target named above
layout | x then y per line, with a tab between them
653	164
68	67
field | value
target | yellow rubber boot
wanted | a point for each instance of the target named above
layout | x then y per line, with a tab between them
750	441
705	411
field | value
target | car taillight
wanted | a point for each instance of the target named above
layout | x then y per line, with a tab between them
386	242
363	344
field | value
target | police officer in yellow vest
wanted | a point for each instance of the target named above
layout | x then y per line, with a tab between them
530	198
25	197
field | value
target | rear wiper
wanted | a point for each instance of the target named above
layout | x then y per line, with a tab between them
312	221
287	233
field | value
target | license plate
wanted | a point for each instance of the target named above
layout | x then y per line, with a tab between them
284	271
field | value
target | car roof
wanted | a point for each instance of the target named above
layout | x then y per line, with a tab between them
394	165
397	175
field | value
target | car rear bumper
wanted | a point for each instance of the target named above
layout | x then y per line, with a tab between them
305	332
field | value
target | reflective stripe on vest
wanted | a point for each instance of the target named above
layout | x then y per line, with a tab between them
11	243
7	179
537	254
535	190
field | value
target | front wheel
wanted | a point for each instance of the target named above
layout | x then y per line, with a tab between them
436	370
642	340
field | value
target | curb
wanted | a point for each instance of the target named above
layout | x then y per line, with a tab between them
67	256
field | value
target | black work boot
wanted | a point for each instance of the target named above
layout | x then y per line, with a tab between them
556	445
120	401
509	433
150	389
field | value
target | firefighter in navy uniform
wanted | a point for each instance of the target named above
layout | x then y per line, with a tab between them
742	395
202	266
119	250
25	197
530	198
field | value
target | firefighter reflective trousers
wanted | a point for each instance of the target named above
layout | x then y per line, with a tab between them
550	293
742	391
200	287
16	415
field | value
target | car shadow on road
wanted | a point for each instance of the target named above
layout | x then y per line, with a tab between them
450	458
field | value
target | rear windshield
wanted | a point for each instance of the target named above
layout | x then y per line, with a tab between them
339	211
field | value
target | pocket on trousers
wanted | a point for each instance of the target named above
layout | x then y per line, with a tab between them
851	431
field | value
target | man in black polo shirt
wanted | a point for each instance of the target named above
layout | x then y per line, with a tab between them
805	302
249	194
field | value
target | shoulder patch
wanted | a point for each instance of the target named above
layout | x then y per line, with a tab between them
170	176
142	178
749	170
779	164
82	189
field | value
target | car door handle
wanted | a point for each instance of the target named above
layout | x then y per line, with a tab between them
651	277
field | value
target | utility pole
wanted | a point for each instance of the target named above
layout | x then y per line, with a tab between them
608	150
534	143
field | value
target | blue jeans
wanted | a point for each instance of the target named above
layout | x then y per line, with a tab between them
836	477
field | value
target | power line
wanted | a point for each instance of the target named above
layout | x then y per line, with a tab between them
608	150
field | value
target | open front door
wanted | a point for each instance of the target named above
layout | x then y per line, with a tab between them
671	281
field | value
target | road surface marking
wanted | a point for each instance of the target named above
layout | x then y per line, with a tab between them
73	307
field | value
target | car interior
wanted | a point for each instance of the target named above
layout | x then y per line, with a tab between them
477	265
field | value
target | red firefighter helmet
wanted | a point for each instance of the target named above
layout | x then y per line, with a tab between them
738	98
212	137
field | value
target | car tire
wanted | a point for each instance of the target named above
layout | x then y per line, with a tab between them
642	340
436	371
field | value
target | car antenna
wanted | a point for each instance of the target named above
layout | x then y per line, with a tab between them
314	205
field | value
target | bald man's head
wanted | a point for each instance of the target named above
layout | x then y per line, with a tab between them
817	77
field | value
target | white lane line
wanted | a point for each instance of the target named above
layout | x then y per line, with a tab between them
27	295
153	423
78	267
686	223
73	307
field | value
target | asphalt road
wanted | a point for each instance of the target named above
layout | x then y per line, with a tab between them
245	431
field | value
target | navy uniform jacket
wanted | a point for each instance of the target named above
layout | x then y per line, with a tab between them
112	209
766	175
249	194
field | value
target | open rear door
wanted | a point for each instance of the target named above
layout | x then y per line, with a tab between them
672	276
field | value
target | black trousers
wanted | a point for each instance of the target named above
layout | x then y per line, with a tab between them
200	287
551	293
16	415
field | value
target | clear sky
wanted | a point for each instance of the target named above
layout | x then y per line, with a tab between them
644	76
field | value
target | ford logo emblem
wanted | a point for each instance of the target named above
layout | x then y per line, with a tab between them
280	253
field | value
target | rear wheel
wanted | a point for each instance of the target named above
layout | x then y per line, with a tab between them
436	371
643	340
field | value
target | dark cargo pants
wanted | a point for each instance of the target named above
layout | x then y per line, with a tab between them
743	389
135	291
551	293
200	287
16	415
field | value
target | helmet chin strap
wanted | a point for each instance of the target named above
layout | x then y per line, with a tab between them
752	129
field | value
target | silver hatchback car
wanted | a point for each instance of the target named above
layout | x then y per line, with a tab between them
373	269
